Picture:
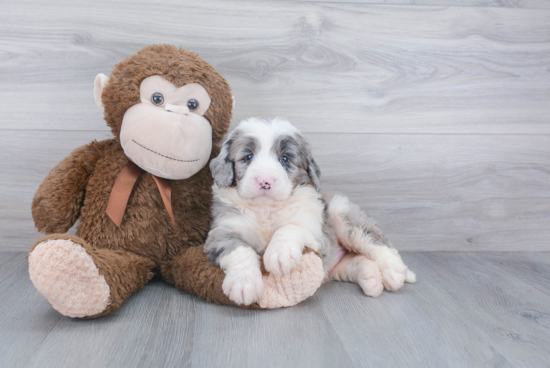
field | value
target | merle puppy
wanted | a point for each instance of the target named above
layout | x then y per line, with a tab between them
267	200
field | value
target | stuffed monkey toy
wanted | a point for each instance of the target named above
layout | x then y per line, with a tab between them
143	198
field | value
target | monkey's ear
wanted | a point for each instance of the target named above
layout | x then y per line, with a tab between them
222	167
99	83
233	107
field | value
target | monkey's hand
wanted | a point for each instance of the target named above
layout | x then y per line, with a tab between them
57	202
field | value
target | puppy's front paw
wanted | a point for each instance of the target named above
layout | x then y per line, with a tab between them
243	286
282	255
393	271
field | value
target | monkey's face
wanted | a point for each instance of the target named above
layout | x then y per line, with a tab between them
167	107
166	133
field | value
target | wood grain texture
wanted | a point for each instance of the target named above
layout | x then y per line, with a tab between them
434	118
429	192
445	192
535	4
467	310
333	67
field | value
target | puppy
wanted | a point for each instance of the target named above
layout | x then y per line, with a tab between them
267	201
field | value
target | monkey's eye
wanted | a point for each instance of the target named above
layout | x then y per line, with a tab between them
284	159
157	98
249	157
192	104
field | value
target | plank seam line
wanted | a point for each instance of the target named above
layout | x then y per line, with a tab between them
305	132
383	5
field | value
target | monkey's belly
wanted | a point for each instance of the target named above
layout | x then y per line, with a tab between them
146	227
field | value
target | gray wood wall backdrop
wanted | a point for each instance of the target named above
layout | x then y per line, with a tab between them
434	118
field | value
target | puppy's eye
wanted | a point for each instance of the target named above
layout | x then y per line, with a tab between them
284	159
192	104
249	157
157	98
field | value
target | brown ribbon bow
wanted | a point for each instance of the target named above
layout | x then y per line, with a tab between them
122	189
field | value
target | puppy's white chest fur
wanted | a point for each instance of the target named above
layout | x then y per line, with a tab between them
260	218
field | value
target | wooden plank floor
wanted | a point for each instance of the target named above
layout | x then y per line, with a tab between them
467	310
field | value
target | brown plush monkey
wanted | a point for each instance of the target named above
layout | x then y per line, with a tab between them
143	197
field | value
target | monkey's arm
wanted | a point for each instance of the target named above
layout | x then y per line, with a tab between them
57	202
193	272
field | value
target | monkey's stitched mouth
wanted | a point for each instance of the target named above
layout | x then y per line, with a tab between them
160	154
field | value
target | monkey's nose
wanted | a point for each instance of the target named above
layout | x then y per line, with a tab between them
178	109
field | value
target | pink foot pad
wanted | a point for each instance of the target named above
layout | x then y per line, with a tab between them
295	287
66	275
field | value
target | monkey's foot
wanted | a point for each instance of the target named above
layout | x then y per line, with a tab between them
295	287
66	275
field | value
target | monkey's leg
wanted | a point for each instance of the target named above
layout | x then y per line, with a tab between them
191	271
82	281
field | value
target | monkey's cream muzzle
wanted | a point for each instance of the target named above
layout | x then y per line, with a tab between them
170	145
178	109
167	139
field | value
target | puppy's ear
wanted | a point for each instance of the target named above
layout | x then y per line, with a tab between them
222	167
309	165
313	171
